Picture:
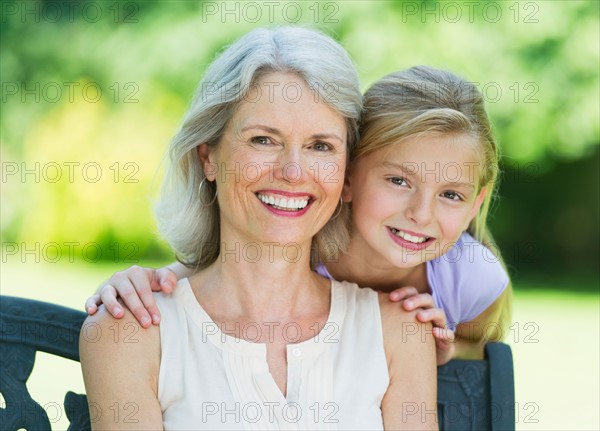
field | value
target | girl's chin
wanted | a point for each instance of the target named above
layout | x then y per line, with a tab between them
411	258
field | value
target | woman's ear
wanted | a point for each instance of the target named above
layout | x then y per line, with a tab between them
206	159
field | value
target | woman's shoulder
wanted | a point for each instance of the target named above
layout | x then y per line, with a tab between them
403	333
394	314
123	344
103	329
360	300
176	300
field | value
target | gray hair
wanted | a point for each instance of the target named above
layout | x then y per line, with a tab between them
190	227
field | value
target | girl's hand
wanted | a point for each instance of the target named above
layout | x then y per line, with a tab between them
135	286
444	337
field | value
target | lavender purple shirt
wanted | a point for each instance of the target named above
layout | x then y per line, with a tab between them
464	281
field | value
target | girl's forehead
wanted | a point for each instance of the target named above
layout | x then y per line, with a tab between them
433	146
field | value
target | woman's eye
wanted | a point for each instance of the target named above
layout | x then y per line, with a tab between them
399	181
261	140
322	146
452	196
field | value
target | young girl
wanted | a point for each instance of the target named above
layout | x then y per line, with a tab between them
419	190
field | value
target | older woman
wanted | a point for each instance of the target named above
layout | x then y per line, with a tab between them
255	339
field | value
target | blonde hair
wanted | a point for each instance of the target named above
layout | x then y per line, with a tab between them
190	227
422	100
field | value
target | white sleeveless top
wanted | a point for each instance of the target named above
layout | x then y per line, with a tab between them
210	380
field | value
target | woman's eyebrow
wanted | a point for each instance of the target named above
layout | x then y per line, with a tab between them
275	131
262	127
327	136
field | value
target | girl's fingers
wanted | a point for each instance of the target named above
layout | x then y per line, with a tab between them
403	293
144	283
444	335
92	303
130	298
167	279
423	300
108	296
444	344
433	315
445	349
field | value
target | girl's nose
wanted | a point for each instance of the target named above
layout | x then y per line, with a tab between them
420	210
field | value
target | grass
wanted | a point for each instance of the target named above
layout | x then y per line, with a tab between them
554	337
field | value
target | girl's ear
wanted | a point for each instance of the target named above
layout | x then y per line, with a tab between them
206	159
347	189
477	204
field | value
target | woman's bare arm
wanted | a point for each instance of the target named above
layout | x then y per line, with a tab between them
410	401
120	366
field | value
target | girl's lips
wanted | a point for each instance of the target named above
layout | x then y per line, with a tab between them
410	232
408	244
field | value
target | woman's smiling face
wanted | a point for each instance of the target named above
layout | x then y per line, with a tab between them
280	163
412	200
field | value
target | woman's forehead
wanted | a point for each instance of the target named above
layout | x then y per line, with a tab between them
283	101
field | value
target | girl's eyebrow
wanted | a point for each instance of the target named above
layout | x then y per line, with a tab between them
401	166
277	132
411	169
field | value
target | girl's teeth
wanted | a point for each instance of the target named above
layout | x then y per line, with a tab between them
284	203
409	237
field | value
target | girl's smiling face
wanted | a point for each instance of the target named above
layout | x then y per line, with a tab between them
412	200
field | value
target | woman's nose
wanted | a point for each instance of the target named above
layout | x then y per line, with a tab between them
292	166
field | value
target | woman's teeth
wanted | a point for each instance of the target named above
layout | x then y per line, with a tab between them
409	237
282	203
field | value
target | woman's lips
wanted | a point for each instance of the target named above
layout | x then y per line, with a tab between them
285	203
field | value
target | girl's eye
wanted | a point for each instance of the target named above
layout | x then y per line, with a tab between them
452	196
261	140
399	181
322	146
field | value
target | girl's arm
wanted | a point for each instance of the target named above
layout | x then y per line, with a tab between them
410	400
135	286
469	340
426	310
120	369
491	325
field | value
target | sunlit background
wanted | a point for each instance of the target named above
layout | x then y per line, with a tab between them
93	91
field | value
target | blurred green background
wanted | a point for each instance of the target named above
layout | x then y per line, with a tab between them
93	91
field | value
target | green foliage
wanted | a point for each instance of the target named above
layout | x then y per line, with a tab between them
536	63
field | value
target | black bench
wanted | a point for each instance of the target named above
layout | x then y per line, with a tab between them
472	395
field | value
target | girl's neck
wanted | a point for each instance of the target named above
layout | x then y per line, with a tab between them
360	266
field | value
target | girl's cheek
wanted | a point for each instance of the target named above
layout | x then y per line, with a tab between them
456	224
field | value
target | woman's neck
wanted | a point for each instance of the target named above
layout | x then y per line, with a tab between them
261	283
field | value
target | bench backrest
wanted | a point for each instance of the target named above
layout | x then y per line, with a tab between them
471	394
